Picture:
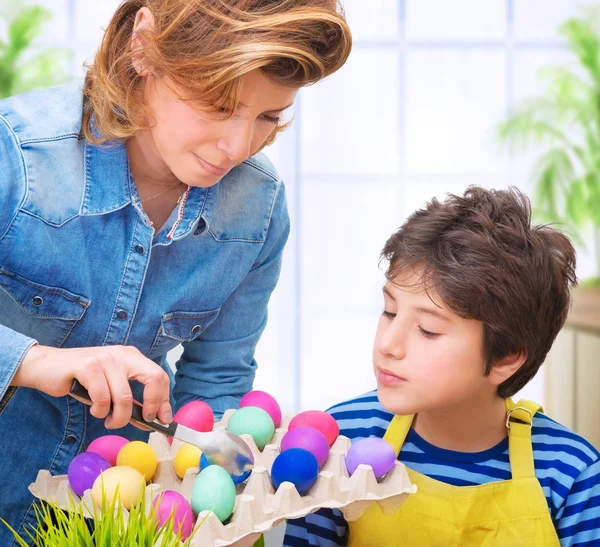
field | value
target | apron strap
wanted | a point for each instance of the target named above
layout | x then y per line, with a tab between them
519	421
397	431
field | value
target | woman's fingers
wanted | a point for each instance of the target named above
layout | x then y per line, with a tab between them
121	395
93	378
156	389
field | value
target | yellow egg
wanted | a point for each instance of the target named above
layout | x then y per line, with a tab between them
129	482
140	456
187	456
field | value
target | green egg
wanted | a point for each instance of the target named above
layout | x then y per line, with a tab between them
253	421
214	491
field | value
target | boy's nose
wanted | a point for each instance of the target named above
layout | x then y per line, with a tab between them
391	343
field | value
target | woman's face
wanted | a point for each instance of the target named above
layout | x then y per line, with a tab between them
199	147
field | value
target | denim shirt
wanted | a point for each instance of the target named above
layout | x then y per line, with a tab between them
81	265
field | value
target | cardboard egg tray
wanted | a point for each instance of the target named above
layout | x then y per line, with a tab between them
258	506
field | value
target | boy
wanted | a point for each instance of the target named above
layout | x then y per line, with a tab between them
474	299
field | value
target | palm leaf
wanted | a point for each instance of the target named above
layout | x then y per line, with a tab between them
21	71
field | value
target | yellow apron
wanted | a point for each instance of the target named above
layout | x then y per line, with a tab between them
510	513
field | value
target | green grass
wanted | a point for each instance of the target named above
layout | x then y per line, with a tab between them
108	527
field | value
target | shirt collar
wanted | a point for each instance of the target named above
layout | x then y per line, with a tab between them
107	178
109	186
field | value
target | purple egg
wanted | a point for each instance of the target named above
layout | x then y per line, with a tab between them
171	502
84	469
309	439
372	451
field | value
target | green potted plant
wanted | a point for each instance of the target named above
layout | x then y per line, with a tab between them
565	121
22	68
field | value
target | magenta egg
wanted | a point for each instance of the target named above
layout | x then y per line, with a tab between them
263	400
319	420
372	451
108	447
196	415
171	502
309	439
84	469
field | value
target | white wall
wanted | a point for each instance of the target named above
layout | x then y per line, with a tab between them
411	116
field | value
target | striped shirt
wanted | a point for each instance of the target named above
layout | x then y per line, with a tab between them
567	466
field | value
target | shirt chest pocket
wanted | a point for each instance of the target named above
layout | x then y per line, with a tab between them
43	312
180	326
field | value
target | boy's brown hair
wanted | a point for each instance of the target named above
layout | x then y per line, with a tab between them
487	262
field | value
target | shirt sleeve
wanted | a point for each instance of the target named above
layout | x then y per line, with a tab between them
578	521
13	185
219	367
325	528
13	347
13	181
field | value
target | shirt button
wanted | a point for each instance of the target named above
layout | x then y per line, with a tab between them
195	329
37	301
122	315
140	249
71	439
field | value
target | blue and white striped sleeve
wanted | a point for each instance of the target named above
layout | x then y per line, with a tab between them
325	528
578	521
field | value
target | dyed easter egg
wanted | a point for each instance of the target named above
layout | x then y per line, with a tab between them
84	469
263	400
253	421
187	456
372	451
319	420
214	491
196	415
140	456
171	502
309	439
108	446
126	482
297	466
237	479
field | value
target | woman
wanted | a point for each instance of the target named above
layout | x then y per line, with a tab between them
138	214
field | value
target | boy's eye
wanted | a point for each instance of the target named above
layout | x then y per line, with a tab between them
428	334
389	314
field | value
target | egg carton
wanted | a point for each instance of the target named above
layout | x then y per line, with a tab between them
258	507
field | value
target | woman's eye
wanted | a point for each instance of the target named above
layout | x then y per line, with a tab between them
389	314
271	119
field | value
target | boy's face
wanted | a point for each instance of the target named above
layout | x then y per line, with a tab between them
426	357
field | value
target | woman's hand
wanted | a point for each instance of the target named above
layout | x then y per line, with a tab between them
105	372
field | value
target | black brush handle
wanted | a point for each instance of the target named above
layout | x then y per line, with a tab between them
82	394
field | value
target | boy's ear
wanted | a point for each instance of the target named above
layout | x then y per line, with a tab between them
506	367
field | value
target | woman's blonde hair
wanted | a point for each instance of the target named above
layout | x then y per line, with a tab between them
202	48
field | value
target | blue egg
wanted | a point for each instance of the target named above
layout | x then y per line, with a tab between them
297	466
236	479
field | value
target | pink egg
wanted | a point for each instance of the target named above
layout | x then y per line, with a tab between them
108	447
171	502
196	415
319	420
309	439
265	401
